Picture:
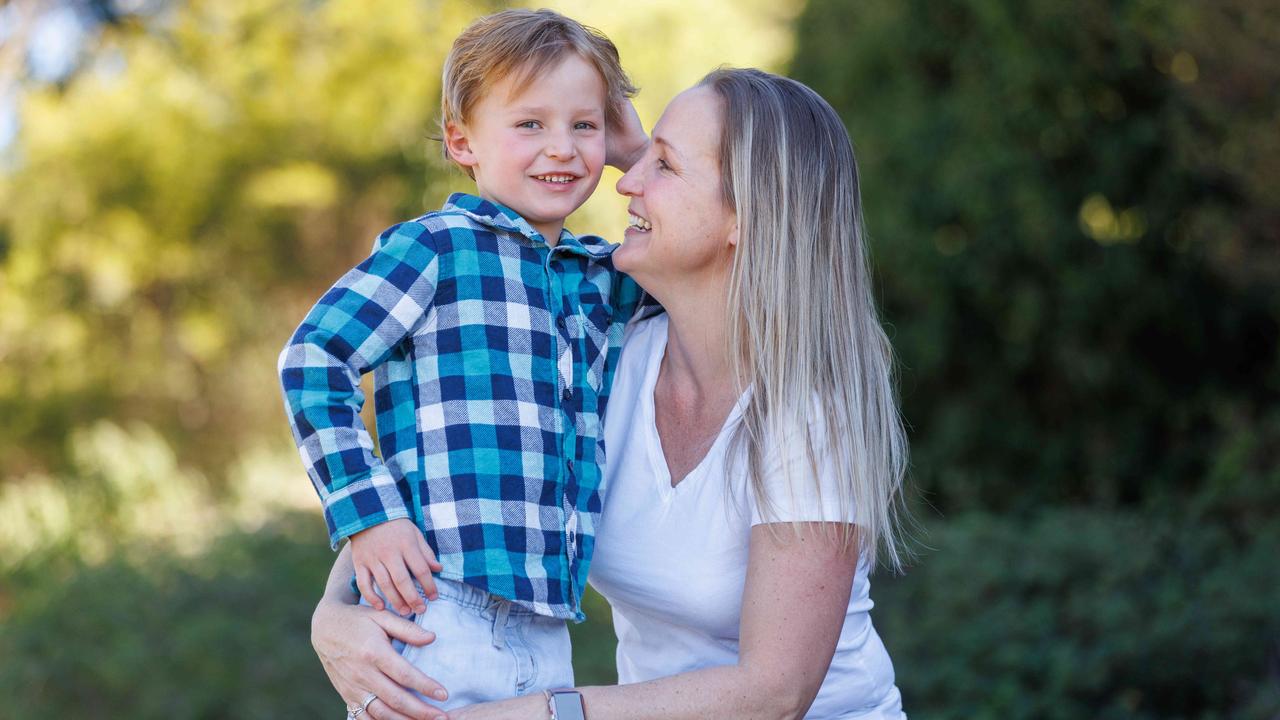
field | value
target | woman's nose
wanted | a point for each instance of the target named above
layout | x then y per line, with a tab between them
629	184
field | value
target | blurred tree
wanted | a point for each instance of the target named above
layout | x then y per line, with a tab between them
173	205
1073	215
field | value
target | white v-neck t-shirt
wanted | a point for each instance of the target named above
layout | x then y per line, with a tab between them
672	561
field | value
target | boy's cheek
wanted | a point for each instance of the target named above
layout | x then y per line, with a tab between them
593	155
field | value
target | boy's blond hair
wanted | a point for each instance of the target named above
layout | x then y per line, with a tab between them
525	42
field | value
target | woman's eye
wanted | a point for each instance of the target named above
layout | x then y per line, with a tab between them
662	165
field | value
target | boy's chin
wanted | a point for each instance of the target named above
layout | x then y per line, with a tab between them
555	209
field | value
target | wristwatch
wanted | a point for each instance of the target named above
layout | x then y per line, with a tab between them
565	704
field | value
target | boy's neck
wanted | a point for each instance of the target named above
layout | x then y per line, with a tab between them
550	231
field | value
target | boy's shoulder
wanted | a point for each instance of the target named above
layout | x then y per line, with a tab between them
463	219
449	218
439	228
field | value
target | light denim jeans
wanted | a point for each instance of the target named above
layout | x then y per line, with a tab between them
487	648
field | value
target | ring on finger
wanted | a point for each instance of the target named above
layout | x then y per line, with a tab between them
354	711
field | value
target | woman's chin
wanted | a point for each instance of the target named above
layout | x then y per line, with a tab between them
629	256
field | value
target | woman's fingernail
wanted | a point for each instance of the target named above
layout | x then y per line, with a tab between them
441	695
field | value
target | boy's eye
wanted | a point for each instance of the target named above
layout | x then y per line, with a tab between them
530	124
584	126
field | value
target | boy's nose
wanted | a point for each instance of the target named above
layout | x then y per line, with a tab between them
561	147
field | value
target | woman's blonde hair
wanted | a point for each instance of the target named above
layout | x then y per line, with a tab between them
525	43
803	328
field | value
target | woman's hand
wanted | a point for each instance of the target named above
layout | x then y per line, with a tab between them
353	643
624	145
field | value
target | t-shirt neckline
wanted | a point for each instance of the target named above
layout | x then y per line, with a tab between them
661	472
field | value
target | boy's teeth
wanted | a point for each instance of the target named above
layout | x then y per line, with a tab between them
639	222
555	178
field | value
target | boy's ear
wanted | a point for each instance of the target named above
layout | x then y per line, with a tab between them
459	147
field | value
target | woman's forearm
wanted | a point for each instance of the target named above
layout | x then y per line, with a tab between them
338	587
728	691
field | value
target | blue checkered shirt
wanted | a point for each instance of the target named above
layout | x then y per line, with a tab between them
492	355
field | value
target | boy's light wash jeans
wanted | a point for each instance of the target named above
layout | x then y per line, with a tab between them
488	649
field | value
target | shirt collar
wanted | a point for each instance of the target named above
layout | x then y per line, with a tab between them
496	215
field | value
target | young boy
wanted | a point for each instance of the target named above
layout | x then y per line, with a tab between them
493	334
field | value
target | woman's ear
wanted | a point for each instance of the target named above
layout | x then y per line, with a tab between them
458	146
733	237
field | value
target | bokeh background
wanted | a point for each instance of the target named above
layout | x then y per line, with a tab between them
1076	236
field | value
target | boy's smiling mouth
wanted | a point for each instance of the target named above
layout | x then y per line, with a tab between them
556	178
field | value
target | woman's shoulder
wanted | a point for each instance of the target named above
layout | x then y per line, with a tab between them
799	478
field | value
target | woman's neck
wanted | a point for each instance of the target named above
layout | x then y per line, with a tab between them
697	360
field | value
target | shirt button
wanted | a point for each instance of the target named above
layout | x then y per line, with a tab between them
568	395
569	462
560	322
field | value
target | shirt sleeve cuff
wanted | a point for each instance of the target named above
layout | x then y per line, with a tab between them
362	504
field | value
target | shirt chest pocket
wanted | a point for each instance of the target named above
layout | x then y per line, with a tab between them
595	321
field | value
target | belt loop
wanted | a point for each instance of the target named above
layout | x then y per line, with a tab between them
502	608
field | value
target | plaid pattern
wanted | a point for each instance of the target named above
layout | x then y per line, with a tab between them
492	355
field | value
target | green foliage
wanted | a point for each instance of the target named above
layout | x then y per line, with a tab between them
1073	218
1086	614
1072	213
169	211
594	643
152	634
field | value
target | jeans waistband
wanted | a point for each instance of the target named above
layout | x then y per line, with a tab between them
473	597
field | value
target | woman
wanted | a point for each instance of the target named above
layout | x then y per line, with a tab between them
755	448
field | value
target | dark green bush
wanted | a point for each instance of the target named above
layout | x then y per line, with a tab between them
150	634
1086	614
1074	220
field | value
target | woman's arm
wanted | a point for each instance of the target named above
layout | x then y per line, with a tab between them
353	643
793	608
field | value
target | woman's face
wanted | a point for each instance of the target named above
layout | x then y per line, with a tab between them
681	228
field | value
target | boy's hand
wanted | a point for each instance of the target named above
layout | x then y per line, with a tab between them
624	145
393	555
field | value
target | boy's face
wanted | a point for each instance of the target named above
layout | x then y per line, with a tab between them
539	148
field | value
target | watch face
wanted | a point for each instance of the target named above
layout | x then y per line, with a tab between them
567	705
